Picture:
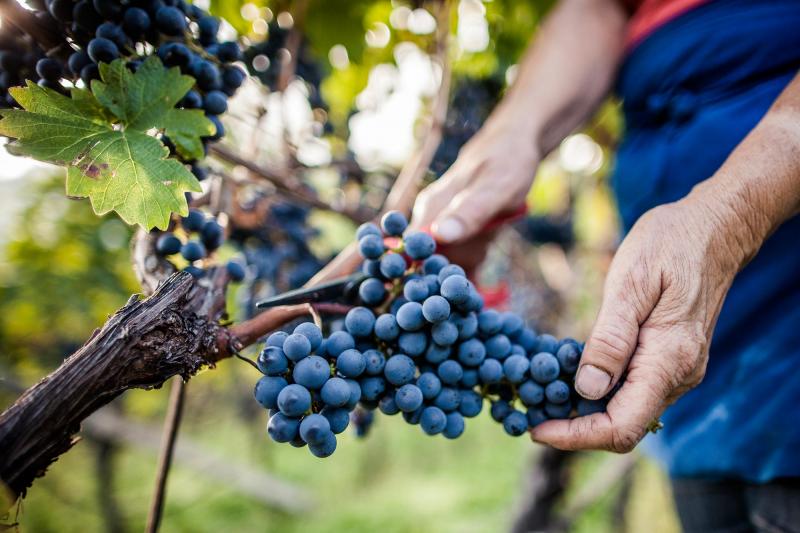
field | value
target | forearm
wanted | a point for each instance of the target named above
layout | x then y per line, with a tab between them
567	71
758	186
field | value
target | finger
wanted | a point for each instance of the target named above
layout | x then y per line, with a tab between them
434	198
628	298
640	400
468	212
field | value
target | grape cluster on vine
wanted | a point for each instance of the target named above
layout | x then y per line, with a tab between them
421	345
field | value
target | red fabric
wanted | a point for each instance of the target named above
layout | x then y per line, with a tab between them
648	15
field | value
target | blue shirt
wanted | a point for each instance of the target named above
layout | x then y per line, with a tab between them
691	92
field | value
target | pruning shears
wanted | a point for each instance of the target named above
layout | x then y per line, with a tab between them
347	287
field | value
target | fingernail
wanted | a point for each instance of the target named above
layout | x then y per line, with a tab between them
450	229
592	383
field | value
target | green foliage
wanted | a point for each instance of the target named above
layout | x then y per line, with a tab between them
105	139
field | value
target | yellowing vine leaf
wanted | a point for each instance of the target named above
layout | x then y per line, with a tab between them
105	139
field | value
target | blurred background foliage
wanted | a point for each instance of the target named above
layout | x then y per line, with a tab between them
64	270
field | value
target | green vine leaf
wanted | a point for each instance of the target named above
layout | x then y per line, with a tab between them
106	139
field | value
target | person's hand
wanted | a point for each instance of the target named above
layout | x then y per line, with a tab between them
492	175
661	301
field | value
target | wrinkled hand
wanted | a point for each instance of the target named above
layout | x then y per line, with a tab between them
493	174
661	301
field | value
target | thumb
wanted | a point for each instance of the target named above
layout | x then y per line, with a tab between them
627	301
468	212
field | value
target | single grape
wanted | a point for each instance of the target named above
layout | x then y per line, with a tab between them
296	347
212	235
235	271
470	378
588	407
410	317
193	251
515	423
372	291
399	370
498	346
386	328
547	343
338	342
419	245
435	353
568	356
282	428
450	372
516	368
388	406
372	388
429	384
456	289
490	322
294	400
338	418
312	372
467	325
448	399
455	425
535	417
315	428
78	60
450	270
433	420
413	344
500	410
371	246
355	393
435	309
512	325
394	223
433	283
557	392
102	50
359	322
168	244
491	371
434	264
267	390
414	416
544	367
531	393
472	352
194	221
408	398
326	448
135	21
528	340
277	339
558	410
470	403
335	392
351	363
392	265
215	102
368	228
416	290
228	52
310	331
170	20
372	268
49	69
375	362
272	361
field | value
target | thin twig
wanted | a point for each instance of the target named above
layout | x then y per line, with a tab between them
171	425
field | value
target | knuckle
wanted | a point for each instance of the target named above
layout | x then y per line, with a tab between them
612	343
625	439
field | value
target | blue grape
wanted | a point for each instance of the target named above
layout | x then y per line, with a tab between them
472	352
516	368
194	221
271	361
589	407
394	223
388	405
338	342
375	362
491	371
557	410
444	333
456	289
368	228
282	428
338	418
528	340
416	290
413	343
49	69
419	245
515	423
386	328
294	400
102	50
399	370
170	20
436	353
409	316
193	251
544	367
470	403
168	244
215	102
372	291
429	384
448	399
433	420
267	390
547	343
397	303
435	309
393	265
77	61
335	392
490	322
351	363
530	393
557	392
315	428
235	270
470	378
497	346
568	357
414	416
355	393
359	322
433	283
372	387
324	449
310	331
277	339
296	347
372	247
450	270
135	21
455	425
371	268
229	52
512	325
212	235
408	398
467	325
450	372
434	264
500	410
535	417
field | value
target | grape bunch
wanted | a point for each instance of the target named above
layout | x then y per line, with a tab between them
195	242
422	346
99	31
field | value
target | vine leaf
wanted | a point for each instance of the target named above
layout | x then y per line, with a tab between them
106	139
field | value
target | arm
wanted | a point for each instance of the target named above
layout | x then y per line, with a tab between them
563	77
669	279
